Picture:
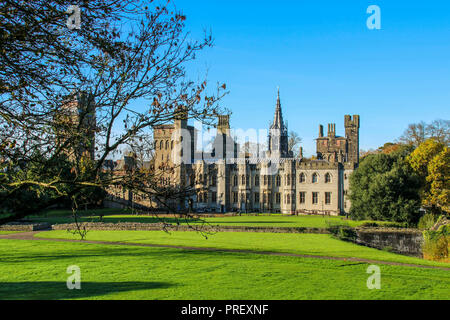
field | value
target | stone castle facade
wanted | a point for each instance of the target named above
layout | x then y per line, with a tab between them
229	180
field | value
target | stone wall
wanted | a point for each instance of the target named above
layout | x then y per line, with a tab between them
132	226
405	241
14	226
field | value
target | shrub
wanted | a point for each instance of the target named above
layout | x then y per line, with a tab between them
427	221
341	230
369	225
436	244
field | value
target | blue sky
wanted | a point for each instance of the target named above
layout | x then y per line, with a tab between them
327	63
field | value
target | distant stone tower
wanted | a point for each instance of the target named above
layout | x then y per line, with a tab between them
352	135
76	121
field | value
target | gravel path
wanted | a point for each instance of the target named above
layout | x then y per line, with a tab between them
31	236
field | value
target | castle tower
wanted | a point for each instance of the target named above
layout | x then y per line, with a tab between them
77	123
224	147
223	125
278	135
352	135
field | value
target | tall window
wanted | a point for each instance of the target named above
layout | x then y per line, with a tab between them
327	197
243	179
315	197
278	181
302	197
302	178
214	196
257	182
278	198
314	178
327	178
235	180
256	197
288	179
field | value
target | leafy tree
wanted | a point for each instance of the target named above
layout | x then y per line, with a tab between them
384	187
431	161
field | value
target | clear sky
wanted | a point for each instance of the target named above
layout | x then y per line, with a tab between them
327	63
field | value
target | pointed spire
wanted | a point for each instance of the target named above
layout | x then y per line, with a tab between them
278	117
278	136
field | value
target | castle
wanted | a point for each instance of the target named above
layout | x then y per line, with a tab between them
228	180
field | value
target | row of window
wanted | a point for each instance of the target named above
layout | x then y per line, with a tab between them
244	179
287	198
288	179
164	145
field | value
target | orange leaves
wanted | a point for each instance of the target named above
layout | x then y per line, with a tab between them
156	103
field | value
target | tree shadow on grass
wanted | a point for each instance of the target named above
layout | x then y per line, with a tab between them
60	251
55	290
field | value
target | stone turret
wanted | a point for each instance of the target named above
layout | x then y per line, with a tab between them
352	135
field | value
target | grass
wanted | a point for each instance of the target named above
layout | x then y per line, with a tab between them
309	244
37	270
254	221
9	232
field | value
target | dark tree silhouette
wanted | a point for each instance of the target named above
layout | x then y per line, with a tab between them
121	73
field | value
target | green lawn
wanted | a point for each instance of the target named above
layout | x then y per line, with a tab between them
9	232
256	221
37	270
310	244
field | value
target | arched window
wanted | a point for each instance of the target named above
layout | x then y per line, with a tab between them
302	178
278	181
327	177
288	180
314	178
156	144
167	144
235	181
243	179
171	145
161	145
